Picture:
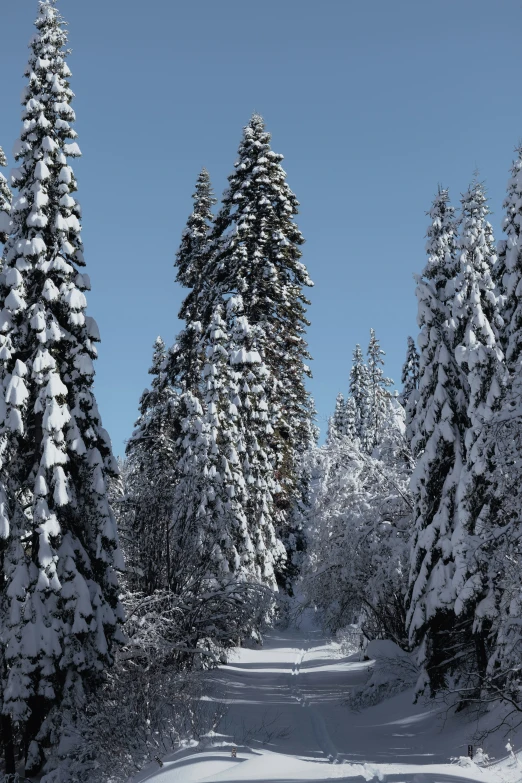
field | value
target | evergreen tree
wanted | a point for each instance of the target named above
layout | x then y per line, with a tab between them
5	201
410	378
257	254
336	423
359	392
507	272
210	499
255	427
378	397
350	419
150	478
438	443
192	262
477	318
60	611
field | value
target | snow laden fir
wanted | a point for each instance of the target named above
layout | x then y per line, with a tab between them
403	527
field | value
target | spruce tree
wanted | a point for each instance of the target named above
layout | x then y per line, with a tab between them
192	263
210	498
60	610
359	392
336	423
378	396
255	430
438	443
151	475
257	255
5	201
410	374
350	419
477	317
507	272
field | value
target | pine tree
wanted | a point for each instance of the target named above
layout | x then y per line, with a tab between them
507	272
5	201
151	476
255	427
410	373
477	318
192	262
258	256
210	499
336	423
359	392
60	610
378	397
438	443
350	419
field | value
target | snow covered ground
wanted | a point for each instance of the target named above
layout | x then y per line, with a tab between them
286	716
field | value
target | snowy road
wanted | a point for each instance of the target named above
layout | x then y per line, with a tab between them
285	715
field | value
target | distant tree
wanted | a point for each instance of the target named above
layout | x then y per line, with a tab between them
151	475
359	391
336	423
507	272
5	201
192	263
59	605
378	396
410	384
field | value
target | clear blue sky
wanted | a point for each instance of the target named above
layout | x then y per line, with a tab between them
372	103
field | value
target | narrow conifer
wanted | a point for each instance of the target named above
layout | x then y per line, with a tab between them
60	609
5	201
438	443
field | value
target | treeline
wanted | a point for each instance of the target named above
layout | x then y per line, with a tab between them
421	542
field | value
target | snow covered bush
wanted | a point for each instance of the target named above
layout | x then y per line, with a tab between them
390	671
358	526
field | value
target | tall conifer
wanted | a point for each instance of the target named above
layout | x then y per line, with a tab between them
378	397
438	443
478	321
507	272
151	474
359	392
257	254
192	263
5	201
60	610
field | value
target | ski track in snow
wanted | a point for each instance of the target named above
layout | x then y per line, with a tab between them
286	717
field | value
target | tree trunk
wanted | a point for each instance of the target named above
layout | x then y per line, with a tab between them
7	741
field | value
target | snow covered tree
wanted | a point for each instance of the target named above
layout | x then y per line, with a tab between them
336	423
477	318
350	419
192	262
438	443
258	256
60	612
410	379
255	429
358	528
507	272
5	201
378	396
210	497
359	392
151	474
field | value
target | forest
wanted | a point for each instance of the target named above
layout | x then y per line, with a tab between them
123	583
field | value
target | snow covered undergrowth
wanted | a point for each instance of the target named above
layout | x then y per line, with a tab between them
287	717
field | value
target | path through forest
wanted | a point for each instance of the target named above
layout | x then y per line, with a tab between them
285	714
